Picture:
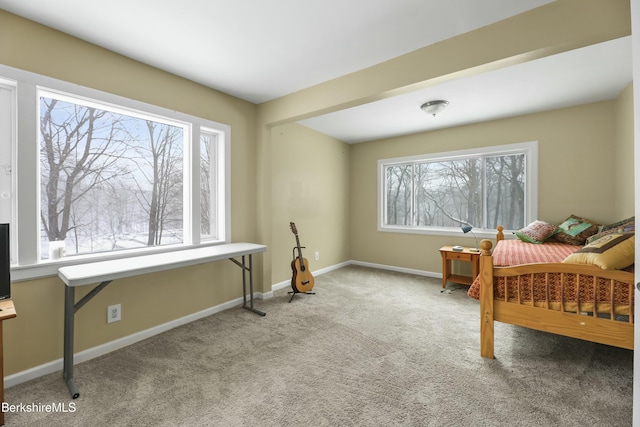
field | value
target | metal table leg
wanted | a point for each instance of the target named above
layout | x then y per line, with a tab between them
243	266
69	320
250	308
70	308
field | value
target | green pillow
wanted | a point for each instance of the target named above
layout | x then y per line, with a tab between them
575	230
536	232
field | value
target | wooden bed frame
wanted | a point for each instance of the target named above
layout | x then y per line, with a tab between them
587	327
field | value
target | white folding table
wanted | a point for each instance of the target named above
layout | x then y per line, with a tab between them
104	272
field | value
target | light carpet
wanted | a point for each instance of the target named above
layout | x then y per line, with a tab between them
371	348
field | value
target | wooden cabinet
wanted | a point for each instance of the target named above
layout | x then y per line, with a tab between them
7	311
465	255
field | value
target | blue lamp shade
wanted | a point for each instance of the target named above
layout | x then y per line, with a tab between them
465	230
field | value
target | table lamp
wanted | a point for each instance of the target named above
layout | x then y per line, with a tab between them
465	230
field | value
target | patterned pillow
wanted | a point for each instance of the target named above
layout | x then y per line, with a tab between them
623	223
625	226
575	230
610	252
536	232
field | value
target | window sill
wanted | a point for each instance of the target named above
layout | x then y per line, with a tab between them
47	268
451	232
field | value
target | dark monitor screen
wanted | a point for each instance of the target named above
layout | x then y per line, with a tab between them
5	263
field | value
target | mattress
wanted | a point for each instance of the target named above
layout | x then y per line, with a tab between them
516	252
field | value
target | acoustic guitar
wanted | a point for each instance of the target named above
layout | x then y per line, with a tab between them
302	281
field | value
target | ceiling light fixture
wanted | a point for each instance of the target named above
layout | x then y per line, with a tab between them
434	107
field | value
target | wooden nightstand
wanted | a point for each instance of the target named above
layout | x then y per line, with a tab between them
8	311
465	255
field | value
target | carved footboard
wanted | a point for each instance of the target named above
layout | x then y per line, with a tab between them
579	301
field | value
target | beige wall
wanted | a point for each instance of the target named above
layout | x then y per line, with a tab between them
310	188
623	155
577	176
35	336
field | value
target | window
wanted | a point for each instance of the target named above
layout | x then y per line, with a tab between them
7	135
108	180
438	193
112	175
210	156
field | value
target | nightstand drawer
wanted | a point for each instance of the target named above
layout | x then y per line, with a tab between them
459	256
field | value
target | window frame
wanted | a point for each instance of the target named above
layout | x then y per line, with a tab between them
26	222
8	169
530	149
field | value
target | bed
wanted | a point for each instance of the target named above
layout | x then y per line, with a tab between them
528	285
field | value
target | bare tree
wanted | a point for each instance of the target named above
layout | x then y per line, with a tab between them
399	194
506	190
456	192
161	168
205	183
449	193
516	191
80	147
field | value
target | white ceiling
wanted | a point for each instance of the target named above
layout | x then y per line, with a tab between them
259	50
595	73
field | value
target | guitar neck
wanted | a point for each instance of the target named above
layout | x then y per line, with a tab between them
300	253
294	230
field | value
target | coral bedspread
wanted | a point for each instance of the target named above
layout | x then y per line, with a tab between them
516	252
577	291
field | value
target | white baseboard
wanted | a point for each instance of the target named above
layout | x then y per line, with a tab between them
286	283
56	365
398	269
91	353
425	273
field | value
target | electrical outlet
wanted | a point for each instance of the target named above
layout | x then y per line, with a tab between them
114	313
317	255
